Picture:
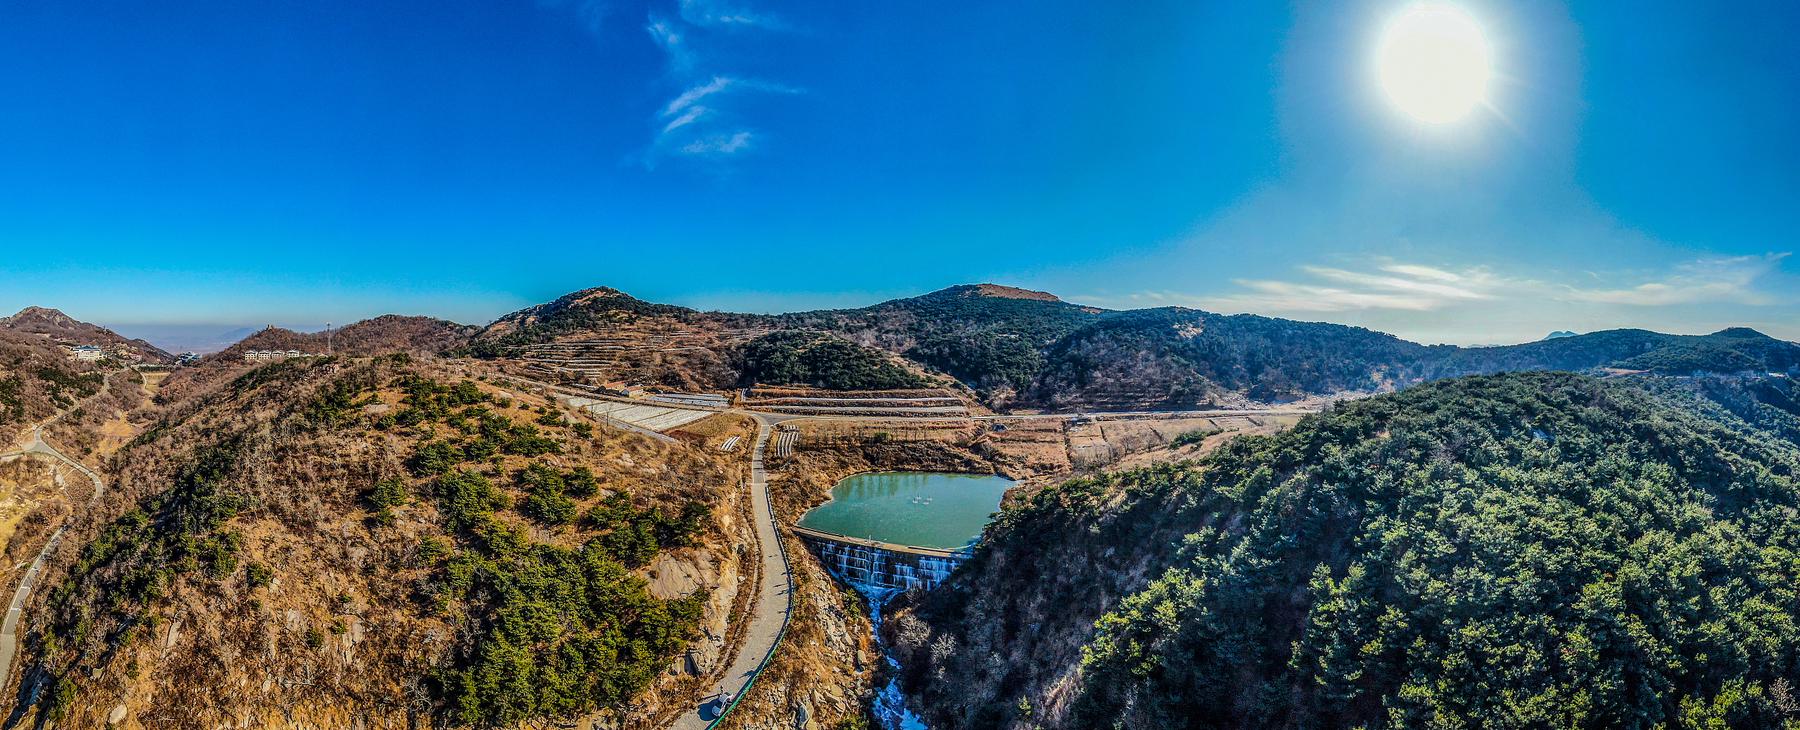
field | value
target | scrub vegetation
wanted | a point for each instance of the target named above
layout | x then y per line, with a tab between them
506	585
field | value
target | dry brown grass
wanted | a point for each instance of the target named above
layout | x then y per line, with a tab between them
223	650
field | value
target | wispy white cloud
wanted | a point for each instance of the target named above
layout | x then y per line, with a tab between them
698	122
1411	287
1415	281
1724	279
722	144
687	117
719	85
694	94
712	13
692	127
673	42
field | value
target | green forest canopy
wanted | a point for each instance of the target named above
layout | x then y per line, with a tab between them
1524	550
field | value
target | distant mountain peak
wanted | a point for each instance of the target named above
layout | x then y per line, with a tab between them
41	314
595	293
997	291
61	327
1740	332
1559	334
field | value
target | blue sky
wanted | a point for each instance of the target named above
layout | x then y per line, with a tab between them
301	162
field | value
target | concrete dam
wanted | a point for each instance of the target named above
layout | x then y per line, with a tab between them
878	569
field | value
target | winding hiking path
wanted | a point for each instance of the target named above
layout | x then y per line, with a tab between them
9	628
774	600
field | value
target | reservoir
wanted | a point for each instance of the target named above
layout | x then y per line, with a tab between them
922	509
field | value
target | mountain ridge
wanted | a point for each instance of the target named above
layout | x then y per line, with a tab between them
1021	348
1017	347
69	331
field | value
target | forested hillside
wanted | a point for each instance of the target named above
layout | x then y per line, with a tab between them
1524	550
1174	357
379	539
988	336
1731	350
819	360
586	312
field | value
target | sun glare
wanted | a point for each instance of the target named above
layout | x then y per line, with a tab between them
1434	62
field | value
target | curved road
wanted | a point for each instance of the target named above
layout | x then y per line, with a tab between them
774	591
773	602
774	597
9	628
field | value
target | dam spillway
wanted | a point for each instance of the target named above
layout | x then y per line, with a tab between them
892	532
878	569
888	533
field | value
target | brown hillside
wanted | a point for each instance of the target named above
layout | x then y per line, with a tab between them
387	334
65	330
37	378
1001	291
384	539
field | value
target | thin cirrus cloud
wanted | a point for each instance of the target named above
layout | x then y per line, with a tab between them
703	122
724	144
713	14
1409	287
1724	279
673	42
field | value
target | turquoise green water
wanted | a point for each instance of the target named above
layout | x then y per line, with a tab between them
924	509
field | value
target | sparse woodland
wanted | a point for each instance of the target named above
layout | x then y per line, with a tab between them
381	534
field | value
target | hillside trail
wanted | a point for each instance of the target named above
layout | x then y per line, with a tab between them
37	446
768	614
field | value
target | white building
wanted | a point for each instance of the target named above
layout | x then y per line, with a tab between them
87	353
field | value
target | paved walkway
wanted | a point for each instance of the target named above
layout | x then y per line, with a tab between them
774	600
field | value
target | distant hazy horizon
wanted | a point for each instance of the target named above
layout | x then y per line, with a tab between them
208	337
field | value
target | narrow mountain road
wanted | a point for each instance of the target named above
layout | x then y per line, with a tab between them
9	628
769	614
774	591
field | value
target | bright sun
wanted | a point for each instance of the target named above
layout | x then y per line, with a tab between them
1434	62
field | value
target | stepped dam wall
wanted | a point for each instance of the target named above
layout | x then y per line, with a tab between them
881	569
